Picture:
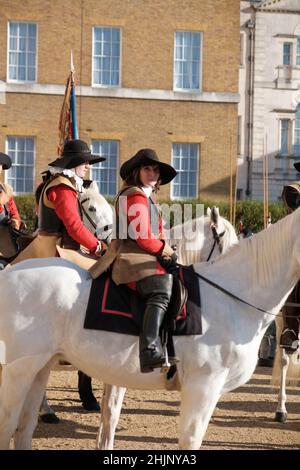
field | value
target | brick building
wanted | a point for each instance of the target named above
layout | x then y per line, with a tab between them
148	74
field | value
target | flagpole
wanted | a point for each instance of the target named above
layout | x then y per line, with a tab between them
73	100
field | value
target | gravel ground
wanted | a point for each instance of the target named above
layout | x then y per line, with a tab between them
243	419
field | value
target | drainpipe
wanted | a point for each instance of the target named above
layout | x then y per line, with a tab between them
251	26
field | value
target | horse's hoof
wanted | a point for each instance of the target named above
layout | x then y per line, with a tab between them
49	418
91	405
280	417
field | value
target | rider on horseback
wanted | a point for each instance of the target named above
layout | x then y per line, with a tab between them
60	223
8	209
60	219
140	243
291	314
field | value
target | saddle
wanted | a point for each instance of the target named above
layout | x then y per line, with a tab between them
12	241
119	309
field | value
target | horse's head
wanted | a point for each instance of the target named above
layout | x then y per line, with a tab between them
97	213
219	234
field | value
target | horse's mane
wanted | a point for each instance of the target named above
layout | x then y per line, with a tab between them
193	255
93	194
260	248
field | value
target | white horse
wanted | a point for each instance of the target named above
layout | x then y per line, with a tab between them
43	304
213	237
202	239
97	213
97	216
286	371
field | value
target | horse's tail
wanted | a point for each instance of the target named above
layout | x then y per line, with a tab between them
293	372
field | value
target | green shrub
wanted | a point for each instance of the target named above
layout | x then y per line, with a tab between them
251	213
26	208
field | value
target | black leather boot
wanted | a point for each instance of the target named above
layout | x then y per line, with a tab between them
157	289
89	401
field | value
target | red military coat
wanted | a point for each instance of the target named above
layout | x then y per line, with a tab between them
65	202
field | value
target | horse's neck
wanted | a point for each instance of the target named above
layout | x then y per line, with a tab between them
192	240
261	270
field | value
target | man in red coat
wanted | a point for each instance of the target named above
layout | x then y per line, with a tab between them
60	224
59	212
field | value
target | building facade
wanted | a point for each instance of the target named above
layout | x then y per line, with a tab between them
148	74
269	110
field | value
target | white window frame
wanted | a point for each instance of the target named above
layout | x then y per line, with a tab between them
99	85
290	44
293	132
94	167
189	90
289	136
16	164
179	198
297	48
11	80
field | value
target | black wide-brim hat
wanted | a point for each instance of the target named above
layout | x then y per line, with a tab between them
297	166
148	157
75	153
5	161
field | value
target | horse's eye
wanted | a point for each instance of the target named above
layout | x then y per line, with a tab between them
92	209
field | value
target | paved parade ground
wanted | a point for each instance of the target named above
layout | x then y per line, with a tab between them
243	419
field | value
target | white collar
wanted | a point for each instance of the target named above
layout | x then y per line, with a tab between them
54	170
147	190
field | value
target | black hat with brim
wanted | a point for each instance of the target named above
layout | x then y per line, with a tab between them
5	161
148	157
76	152
297	166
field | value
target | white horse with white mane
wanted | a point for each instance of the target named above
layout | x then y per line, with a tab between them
215	236
43	304
202	239
98	217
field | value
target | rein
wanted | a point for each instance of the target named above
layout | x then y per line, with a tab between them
98	231
217	240
225	291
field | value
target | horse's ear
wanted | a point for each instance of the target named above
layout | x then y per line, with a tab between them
215	214
94	186
208	211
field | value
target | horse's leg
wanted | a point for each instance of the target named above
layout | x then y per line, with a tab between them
281	413
16	380
198	402
111	405
47	415
29	415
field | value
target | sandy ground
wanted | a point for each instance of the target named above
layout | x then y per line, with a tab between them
243	419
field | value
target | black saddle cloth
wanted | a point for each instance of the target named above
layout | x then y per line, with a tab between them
119	309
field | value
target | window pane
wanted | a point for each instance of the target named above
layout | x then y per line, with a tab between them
287	53
296	146
184	160
21	173
298	52
187	60
106	56
105	173
32	30
22	51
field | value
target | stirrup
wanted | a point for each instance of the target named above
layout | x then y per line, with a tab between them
169	361
292	344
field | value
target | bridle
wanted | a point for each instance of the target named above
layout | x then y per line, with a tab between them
217	240
98	231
